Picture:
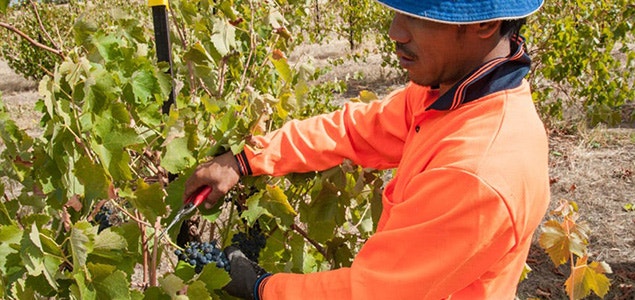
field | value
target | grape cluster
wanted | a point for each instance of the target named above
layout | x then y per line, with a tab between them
250	243
103	218
199	254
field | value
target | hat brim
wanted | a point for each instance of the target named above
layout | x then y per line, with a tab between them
464	11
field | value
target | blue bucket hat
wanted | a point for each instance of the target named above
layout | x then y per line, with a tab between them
464	11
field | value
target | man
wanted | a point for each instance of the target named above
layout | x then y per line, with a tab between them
471	155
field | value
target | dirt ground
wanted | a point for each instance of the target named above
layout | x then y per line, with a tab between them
595	168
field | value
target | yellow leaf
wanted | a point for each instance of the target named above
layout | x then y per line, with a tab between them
601	267
555	242
260	126
525	274
585	279
277	195
367	96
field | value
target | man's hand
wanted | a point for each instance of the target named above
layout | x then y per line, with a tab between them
220	173
245	275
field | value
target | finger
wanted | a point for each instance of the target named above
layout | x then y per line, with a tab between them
212	198
192	184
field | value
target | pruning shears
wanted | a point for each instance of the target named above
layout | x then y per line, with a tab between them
188	206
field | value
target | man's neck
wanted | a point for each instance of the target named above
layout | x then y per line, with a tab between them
501	49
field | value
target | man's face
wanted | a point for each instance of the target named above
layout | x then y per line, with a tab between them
432	53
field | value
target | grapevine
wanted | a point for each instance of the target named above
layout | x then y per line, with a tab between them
104	139
200	254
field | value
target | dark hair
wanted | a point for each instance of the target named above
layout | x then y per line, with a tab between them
511	27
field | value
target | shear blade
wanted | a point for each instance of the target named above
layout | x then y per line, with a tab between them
186	209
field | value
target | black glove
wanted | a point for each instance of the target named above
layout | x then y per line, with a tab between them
246	275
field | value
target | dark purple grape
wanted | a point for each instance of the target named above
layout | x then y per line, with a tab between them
200	254
250	243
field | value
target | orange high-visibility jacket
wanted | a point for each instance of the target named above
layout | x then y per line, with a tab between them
470	189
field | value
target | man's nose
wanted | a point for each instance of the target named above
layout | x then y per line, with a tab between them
398	31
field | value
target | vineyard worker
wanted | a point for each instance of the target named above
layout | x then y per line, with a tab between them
471	184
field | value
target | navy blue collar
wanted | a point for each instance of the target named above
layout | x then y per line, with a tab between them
496	75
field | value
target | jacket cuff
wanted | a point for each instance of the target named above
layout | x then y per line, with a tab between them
259	286
243	164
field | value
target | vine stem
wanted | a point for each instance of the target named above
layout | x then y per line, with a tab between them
31	40
180	30
252	44
39	21
144	246
571	258
226	229
315	244
155	251
125	212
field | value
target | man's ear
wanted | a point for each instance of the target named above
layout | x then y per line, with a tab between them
486	30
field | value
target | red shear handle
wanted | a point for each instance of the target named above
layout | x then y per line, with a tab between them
200	196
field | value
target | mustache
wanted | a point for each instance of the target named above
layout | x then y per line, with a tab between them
403	50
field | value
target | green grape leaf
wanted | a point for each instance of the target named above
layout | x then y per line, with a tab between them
282	66
177	155
114	139
5	216
197	54
81	241
275	252
131	233
254	209
298	256
38	219
109	244
31	252
585	279
321	215
155	293
171	284
92	176
22	290
109	282
34	259
50	246
116	160
10	236
81	290
101	89
148	199
223	37
197	290
227	7
138	295
214	278
339	251
51	269
175	190
108	46
144	85
184	270
39	284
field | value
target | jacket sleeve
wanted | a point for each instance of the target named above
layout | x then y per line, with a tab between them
436	242
359	132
